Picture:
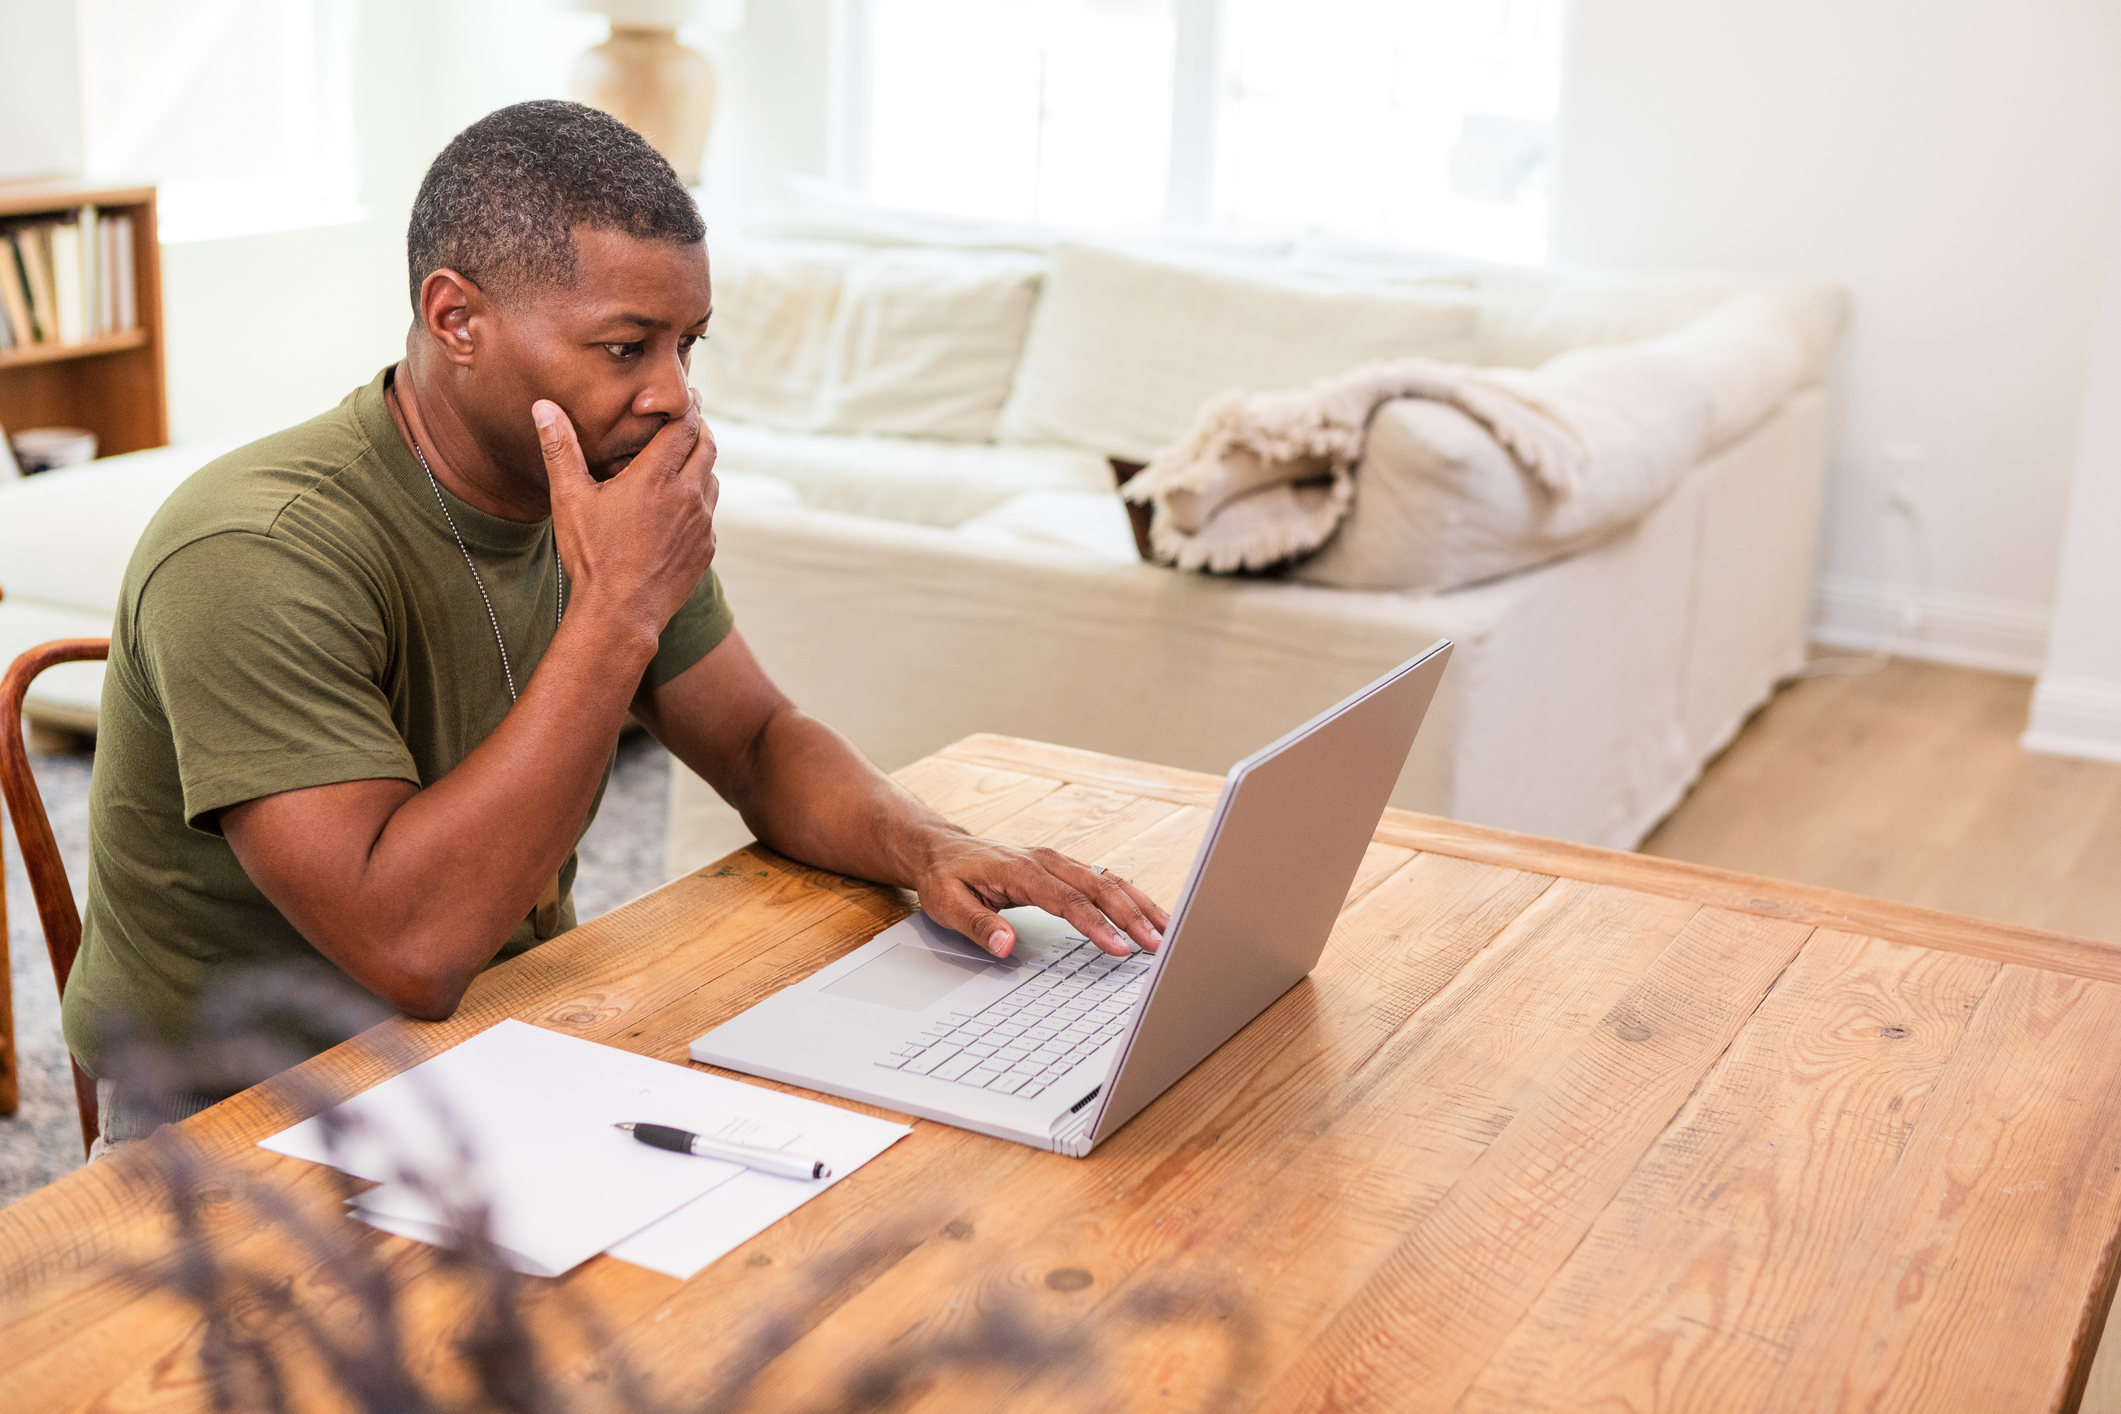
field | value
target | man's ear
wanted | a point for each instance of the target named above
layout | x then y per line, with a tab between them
450	305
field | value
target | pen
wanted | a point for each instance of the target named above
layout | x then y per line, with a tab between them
684	1141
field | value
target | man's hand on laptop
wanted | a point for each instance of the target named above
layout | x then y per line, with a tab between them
968	881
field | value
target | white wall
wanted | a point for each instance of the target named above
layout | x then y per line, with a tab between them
265	331
776	108
1954	164
2077	705
40	89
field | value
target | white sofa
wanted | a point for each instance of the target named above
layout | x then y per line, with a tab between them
934	584
64	539
921	539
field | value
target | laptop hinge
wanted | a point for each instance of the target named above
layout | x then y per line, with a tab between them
1071	1136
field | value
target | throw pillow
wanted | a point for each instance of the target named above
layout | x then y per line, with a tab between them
769	343
925	342
815	337
1123	350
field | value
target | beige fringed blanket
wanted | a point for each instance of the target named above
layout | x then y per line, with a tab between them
1265	477
1600	434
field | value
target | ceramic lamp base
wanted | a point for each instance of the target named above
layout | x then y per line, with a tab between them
654	85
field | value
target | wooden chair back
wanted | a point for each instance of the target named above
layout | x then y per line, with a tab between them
48	885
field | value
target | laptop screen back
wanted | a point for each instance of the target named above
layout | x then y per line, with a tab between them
1282	850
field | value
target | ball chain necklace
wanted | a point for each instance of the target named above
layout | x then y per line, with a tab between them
546	920
559	596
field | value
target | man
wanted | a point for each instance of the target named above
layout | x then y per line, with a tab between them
367	674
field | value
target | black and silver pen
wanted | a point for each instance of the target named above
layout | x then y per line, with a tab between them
684	1141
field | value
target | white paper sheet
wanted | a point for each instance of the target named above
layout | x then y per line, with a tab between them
521	1117
732	1213
594	1184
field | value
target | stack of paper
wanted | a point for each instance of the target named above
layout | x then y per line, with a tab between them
519	1120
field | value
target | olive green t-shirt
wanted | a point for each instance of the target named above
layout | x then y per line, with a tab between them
297	614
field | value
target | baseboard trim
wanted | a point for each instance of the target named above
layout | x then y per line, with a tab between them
1963	630
2075	716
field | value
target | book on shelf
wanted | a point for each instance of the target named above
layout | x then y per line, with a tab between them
128	303
31	247
67	287
14	295
67	278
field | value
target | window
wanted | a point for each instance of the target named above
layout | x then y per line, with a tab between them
242	111
1422	122
1415	121
1053	111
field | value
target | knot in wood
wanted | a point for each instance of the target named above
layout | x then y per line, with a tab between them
957	1230
1068	1279
1893	1033
582	1011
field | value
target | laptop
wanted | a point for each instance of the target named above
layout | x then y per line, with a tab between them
1060	1044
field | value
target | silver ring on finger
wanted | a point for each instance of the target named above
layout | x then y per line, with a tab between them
1098	869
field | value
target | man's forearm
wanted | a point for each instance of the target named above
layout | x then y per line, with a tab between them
809	794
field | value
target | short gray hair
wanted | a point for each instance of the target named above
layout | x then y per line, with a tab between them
502	201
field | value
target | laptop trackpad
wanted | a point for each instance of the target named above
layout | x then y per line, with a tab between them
910	977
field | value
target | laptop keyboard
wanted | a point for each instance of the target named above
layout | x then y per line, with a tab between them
1037	1032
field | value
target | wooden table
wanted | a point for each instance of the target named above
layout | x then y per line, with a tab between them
1550	1127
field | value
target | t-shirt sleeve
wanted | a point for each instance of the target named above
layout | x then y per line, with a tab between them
268	660
693	632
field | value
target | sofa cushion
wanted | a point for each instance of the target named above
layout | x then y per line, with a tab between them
1093	522
768	345
896	478
925	342
1123	350
817	337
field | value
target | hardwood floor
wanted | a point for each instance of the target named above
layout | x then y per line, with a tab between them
1909	784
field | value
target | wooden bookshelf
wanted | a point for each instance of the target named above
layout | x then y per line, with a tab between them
113	386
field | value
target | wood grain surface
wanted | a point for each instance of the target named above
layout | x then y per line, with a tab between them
1548	1128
